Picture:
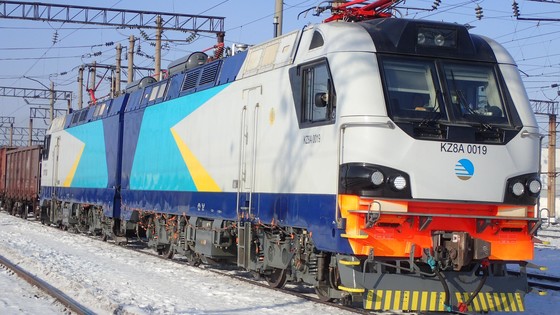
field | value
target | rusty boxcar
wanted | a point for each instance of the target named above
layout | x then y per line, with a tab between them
22	177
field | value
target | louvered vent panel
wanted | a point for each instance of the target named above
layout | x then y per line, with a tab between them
190	80
209	73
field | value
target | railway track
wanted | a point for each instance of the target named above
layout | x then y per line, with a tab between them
541	281
299	291
303	292
140	246
62	298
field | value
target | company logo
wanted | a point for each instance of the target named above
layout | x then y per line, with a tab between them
464	169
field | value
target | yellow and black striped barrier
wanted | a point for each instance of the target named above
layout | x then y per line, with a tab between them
434	301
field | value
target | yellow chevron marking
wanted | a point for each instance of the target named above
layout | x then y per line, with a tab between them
519	300
512	302
414	305
405	301
369	300
480	297
202	180
466	297
505	302
497	301
378	299
397	302
433	300
387	305
490	301
68	180
459	297
441	304
424	301
475	304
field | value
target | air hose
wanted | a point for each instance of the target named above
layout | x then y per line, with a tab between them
464	305
446	303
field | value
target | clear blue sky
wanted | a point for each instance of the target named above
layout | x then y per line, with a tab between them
27	48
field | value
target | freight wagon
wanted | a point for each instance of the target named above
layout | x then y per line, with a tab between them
21	174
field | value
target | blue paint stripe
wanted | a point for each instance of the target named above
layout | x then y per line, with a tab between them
313	212
103	197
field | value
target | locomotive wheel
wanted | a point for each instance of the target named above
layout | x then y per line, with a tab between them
277	279
193	259
323	293
168	251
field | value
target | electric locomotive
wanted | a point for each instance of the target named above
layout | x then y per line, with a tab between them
388	162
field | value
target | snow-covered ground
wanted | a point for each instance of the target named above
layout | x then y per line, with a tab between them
111	280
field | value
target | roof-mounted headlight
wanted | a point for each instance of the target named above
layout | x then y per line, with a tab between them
436	37
439	40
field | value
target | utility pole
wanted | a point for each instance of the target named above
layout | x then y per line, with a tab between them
81	87
278	16
118	71
11	134
131	40
51	105
157	66
549	108
30	132
551	193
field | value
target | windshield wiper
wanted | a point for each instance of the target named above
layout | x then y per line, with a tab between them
435	114
464	104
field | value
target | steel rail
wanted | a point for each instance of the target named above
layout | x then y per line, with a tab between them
47	288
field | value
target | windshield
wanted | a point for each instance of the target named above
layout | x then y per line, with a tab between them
467	93
475	96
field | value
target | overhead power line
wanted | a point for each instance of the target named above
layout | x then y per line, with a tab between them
547	1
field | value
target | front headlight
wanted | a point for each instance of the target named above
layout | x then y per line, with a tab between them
377	178
518	189
372	180
523	189
535	186
399	182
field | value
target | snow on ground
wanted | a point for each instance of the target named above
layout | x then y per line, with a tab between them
19	297
111	280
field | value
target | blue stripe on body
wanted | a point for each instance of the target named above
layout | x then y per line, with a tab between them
95	196
158	163
310	211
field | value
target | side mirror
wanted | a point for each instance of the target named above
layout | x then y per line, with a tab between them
321	99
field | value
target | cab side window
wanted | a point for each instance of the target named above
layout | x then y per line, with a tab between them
46	147
314	94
